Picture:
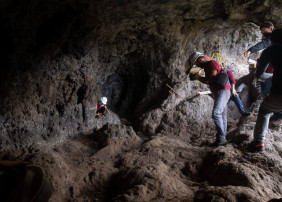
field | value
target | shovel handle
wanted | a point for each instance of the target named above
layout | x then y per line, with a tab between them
175	91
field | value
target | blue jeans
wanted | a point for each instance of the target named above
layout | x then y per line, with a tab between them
219	113
238	103
272	103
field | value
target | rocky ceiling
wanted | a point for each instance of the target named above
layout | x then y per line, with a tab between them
58	57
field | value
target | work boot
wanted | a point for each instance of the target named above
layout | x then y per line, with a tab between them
245	113
256	147
259	147
218	143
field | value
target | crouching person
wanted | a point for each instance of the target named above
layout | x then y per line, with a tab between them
221	94
273	102
101	107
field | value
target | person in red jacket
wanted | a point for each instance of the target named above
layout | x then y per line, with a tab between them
221	95
101	107
234	94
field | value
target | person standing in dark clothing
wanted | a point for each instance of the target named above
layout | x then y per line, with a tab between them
266	30
273	102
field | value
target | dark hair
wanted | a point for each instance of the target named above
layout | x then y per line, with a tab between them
266	25
276	36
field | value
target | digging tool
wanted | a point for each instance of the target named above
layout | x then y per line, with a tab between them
174	91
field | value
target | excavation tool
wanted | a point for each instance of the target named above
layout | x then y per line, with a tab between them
172	90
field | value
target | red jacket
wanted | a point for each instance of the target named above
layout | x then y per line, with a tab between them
208	67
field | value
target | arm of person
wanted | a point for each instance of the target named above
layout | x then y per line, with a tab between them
262	65
266	76
247	53
232	82
260	45
233	90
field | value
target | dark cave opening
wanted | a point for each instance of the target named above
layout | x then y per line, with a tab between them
126	88
131	90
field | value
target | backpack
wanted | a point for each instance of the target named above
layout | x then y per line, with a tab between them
221	79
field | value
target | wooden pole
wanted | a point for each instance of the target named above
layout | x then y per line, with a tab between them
174	91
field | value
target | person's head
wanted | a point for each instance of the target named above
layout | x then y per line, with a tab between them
266	29
276	37
104	100
197	59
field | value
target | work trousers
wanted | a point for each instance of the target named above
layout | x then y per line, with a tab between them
265	89
219	113
272	103
238	103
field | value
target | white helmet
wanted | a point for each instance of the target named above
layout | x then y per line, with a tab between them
104	100
193	57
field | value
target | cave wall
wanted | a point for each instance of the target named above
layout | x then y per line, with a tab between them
58	58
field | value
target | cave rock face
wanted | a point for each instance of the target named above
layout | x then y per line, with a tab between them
58	58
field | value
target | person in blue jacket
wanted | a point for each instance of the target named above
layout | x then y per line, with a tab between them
266	29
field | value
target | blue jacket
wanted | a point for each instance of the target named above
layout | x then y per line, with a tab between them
260	45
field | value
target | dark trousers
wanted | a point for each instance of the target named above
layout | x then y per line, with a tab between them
265	89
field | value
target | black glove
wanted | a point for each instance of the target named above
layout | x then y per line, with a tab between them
192	77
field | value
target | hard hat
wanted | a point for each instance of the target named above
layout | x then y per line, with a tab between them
104	100
194	56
